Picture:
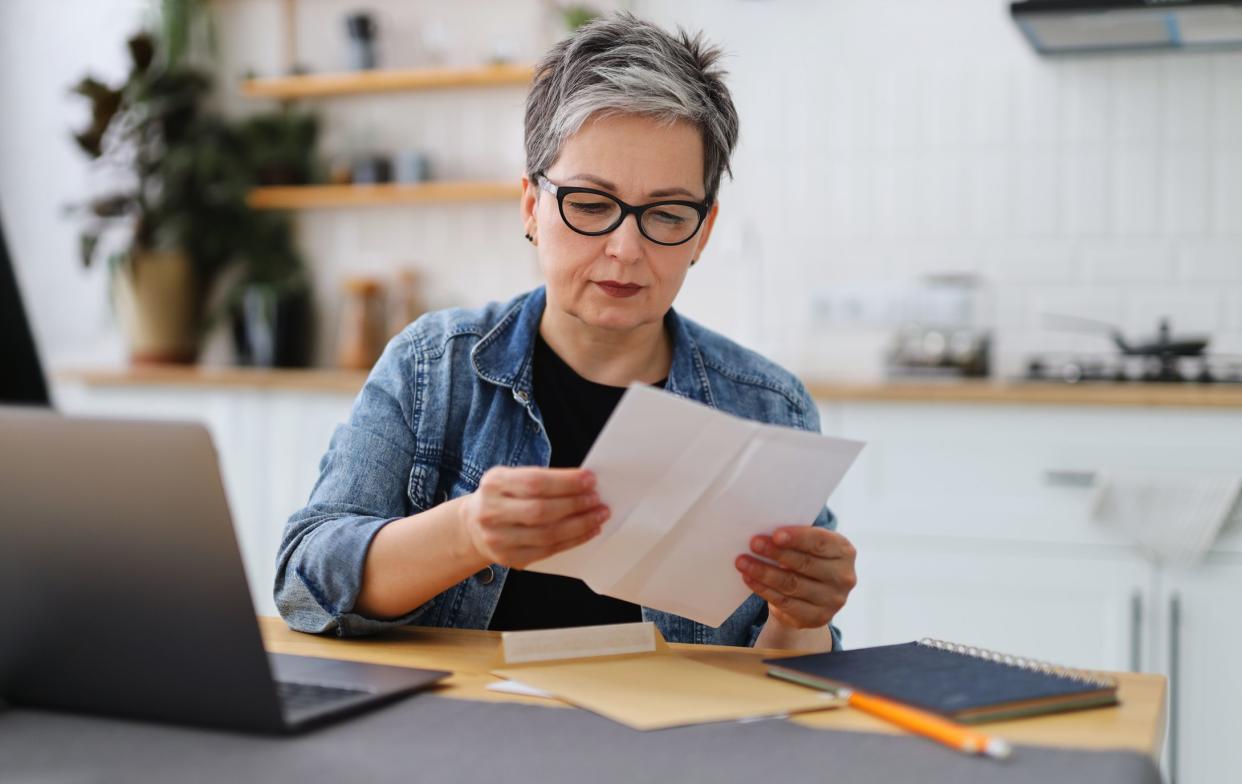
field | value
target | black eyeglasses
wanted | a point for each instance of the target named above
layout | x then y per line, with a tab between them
592	212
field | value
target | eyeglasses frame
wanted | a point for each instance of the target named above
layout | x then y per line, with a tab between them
561	191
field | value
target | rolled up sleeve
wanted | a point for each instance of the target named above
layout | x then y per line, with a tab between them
362	486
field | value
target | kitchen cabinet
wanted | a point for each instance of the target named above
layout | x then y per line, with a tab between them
1058	605
993	472
1200	634
967	530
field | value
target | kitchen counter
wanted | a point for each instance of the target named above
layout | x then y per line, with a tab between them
1017	392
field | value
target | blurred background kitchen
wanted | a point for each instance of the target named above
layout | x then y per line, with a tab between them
1015	271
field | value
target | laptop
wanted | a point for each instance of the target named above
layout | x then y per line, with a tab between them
125	592
122	581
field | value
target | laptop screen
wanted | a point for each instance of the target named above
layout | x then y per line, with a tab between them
21	376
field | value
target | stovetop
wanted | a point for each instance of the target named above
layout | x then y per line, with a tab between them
1111	367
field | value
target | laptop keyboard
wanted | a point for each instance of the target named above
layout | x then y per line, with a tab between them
296	696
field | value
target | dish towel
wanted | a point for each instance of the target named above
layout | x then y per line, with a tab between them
1174	518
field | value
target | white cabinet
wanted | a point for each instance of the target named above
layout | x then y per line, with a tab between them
962	536
1200	615
1046	603
984	471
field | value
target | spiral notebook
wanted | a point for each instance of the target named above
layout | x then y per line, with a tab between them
963	683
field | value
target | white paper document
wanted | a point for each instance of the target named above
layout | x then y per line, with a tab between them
517	687
688	487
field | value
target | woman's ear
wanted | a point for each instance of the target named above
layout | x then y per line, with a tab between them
530	198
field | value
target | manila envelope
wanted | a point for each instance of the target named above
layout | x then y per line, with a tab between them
628	673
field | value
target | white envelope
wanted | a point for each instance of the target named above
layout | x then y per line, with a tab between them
689	486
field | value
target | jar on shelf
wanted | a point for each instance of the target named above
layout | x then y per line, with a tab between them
407	300
363	326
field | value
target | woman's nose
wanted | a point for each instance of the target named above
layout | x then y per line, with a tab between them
625	243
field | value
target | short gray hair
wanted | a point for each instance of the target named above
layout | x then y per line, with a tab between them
624	65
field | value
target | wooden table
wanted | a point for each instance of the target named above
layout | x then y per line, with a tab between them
1137	724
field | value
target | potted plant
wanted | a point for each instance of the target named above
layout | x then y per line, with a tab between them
270	304
280	146
168	228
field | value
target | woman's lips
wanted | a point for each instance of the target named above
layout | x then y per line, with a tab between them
620	290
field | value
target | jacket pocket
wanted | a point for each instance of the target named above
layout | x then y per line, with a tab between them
424	479
433	483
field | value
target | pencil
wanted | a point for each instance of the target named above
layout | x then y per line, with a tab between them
929	725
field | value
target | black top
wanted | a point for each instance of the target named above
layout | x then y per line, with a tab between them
574	410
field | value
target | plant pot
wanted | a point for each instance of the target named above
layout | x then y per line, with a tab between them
272	325
156	299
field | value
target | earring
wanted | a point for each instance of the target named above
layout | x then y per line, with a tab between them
693	262
529	238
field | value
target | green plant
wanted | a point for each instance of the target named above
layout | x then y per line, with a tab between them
280	146
576	15
185	174
278	149
267	255
183	171
186	30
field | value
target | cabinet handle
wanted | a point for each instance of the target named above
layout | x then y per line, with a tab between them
1136	631
1175	671
1068	478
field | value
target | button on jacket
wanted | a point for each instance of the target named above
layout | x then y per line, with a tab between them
450	398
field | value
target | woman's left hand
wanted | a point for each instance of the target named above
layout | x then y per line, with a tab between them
814	576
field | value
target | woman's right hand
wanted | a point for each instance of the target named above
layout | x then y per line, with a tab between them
521	515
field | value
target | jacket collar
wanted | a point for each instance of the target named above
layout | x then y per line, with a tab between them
503	356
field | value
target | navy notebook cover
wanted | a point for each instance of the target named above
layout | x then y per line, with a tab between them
964	684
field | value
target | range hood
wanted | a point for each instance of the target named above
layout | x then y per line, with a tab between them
1076	26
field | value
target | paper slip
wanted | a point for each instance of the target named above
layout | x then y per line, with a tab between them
517	687
660	690
523	690
689	486
578	641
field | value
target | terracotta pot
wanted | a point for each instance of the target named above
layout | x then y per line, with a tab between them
156	299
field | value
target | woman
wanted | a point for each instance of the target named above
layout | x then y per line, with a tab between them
457	465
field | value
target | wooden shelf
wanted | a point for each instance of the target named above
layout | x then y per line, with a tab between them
331	380
362	82
306	197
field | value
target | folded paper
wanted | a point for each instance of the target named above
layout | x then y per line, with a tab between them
653	688
688	487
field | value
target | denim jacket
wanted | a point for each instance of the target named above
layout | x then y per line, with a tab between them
451	397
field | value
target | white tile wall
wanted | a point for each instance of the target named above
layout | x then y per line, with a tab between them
1210	262
882	140
1105	187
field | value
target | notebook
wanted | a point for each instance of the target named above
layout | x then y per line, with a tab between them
964	683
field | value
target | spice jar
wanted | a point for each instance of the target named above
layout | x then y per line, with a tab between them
407	300
363	327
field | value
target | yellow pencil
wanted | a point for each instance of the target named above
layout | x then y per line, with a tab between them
929	725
